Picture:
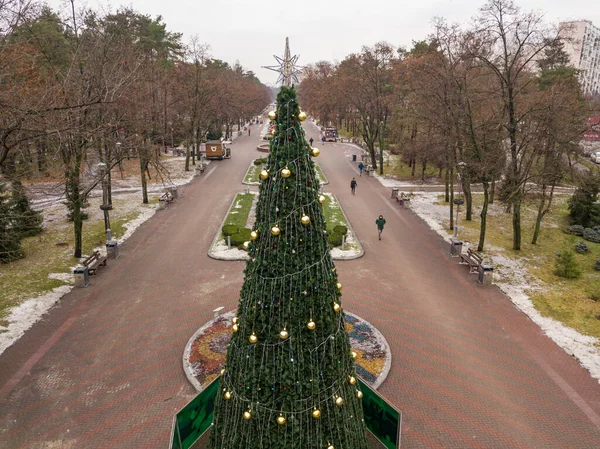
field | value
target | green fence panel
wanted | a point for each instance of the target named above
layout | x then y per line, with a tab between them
382	419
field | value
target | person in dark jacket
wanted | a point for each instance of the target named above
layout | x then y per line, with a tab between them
380	222
311	140
353	185
361	167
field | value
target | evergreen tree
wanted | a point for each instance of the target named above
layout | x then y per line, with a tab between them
26	221
10	245
289	380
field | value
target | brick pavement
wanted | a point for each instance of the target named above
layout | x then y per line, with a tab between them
103	369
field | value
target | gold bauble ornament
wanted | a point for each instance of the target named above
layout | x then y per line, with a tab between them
322	199
234	319
339	286
336	307
305	220
264	174
284	334
222	371
330	446
354	354
275	230
339	401
352	380
247	414
227	395
359	394
316	413
253	235
272	115
281	420
311	325
302	116
285	172
235	328
314	152
253	338
246	245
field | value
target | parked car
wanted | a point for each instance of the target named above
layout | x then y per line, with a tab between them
595	157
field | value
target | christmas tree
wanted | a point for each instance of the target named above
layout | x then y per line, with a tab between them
289	380
27	222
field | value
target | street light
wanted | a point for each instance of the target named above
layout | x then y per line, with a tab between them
458	201
105	206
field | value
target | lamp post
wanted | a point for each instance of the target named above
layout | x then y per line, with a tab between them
458	201
105	206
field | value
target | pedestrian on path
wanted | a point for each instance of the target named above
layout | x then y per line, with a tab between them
311	140
380	222
361	167
248	131
323	140
353	185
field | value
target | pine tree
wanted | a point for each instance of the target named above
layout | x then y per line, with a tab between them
26	221
289	380
10	245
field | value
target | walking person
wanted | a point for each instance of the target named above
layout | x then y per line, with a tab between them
380	222
248	131
323	140
311	140
361	167
353	185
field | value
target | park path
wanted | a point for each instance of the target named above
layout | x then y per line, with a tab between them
104	369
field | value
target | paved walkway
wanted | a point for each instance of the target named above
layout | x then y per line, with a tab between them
104	370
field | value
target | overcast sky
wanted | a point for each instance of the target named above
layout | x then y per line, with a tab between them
251	32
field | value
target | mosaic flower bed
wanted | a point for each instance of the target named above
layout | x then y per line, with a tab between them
205	352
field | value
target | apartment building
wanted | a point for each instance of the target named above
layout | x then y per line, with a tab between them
582	43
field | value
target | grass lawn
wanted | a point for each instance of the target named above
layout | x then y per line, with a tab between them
28	277
569	301
238	215
253	171
402	171
334	217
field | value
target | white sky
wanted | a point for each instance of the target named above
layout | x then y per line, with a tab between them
251	32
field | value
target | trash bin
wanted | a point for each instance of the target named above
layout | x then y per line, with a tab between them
174	191
406	204
162	204
395	193
486	274
354	158
456	247
112	249
82	276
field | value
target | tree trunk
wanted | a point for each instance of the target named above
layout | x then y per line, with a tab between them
451	199
483	215
493	190
516	222
447	185
542	211
187	155
423	169
466	186
143	168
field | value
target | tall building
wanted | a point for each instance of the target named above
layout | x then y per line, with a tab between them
582	44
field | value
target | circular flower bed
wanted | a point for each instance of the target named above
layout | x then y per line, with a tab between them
204	354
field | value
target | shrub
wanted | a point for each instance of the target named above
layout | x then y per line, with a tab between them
575	230
230	229
566	266
260	161
240	237
339	229
582	247
591	235
335	239
597	265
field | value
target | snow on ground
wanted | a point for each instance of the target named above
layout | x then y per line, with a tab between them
128	200
511	277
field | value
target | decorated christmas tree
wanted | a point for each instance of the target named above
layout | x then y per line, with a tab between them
289	380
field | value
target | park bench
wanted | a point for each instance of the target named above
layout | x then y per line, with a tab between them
472	259
93	261
165	199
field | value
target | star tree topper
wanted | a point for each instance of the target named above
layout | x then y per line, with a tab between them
287	68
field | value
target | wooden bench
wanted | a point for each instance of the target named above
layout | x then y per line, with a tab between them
166	197
472	259
93	261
